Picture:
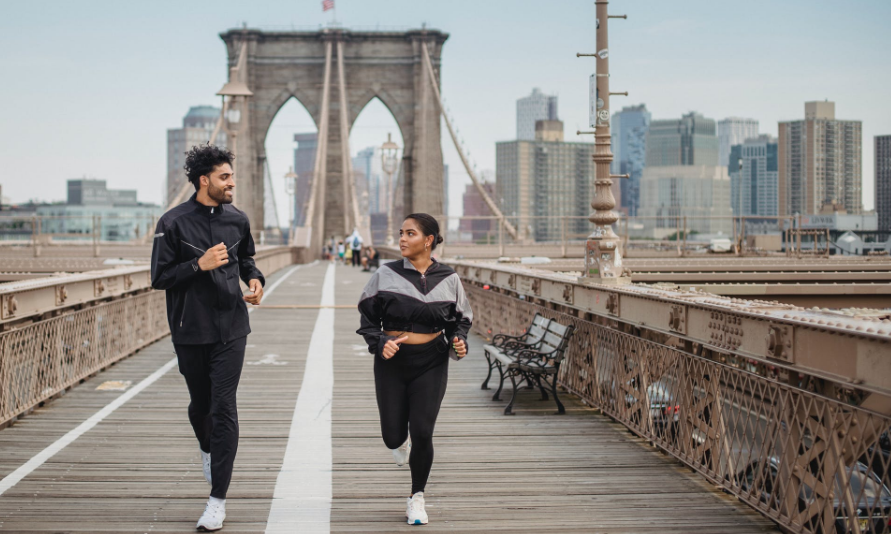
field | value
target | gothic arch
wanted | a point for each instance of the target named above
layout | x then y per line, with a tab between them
386	65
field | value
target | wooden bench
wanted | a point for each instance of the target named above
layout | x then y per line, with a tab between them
538	365
510	344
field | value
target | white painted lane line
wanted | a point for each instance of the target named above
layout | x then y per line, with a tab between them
13	478
40	458
301	501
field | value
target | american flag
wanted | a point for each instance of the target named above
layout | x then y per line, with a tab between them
327	4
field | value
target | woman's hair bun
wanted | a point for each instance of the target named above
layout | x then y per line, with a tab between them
438	239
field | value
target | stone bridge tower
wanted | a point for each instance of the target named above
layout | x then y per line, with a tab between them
386	65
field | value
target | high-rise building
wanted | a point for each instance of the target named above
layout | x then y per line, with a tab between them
535	107
690	140
682	177
198	126
368	161
538	179
693	191
733	131
883	181
304	165
118	214
480	230
86	192
820	163
629	145
753	177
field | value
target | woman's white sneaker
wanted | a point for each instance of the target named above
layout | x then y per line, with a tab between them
205	460
402	454
214	515
416	513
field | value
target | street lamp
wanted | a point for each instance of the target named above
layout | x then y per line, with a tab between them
234	95
603	255
389	164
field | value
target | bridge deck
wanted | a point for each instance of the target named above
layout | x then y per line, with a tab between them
138	470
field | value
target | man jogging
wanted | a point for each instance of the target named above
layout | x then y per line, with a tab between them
201	249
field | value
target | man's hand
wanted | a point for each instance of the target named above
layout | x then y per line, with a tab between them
459	346
257	292
214	258
392	346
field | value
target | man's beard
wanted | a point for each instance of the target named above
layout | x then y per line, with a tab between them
218	194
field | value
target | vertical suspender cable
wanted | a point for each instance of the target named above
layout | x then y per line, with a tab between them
317	190
351	200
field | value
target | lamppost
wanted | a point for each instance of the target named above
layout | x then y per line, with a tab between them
389	164
603	255
235	94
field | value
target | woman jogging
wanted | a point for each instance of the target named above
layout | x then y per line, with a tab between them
412	313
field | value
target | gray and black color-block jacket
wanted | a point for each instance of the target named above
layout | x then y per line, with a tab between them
204	307
399	298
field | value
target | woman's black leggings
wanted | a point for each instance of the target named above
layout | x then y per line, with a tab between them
410	387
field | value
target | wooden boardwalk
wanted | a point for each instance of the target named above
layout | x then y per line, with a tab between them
138	470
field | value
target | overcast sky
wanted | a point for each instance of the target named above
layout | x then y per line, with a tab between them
89	88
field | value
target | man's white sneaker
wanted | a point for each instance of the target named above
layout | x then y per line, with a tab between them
205	460
402	453
214	515
416	513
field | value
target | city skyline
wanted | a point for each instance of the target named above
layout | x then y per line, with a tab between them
68	98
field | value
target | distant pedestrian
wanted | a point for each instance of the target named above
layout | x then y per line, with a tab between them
370	258
201	248
355	241
341	250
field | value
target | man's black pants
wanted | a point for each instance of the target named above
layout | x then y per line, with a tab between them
212	373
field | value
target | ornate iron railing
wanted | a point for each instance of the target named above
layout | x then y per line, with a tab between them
43	359
57	331
810	462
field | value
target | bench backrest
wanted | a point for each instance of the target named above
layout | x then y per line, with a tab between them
538	329
556	339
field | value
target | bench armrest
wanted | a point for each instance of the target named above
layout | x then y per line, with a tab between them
497	339
514	346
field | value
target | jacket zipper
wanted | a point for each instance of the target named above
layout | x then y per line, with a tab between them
183	316
424	276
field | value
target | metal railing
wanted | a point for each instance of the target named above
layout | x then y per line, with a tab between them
43	231
667	235
43	359
38	231
778	440
57	331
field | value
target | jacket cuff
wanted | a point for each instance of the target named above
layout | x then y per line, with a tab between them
187	270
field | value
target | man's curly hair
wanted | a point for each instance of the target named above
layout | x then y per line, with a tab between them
202	159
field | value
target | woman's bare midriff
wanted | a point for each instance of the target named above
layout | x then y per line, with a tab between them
414	338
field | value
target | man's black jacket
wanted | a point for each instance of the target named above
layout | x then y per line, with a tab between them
204	307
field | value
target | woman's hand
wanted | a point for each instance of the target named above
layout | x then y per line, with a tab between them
391	347
459	346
